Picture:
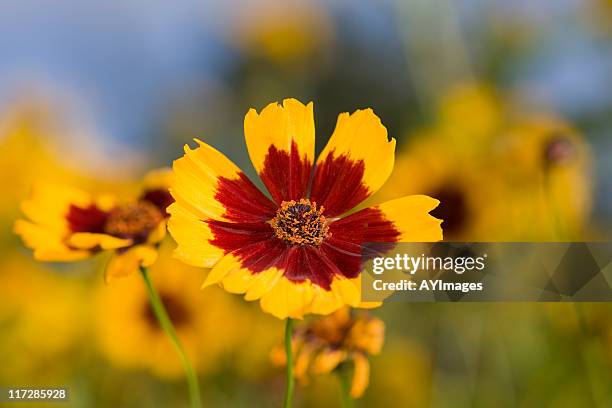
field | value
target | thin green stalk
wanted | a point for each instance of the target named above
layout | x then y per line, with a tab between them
166	325
344	375
290	384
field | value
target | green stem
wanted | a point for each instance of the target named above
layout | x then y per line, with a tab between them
289	353
166	325
344	375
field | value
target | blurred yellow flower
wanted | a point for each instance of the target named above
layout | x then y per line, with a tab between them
43	320
549	179
465	188
283	32
32	129
325	343
498	175
67	224
129	335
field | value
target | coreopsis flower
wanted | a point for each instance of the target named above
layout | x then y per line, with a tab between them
124	320
325	343
455	154
550	181
467	187
507	176
298	251
67	224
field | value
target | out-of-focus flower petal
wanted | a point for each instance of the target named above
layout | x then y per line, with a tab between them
128	262
361	375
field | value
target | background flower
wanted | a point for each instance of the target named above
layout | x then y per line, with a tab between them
339	341
128	332
67	224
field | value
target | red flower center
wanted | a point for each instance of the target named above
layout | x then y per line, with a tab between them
135	220
300	223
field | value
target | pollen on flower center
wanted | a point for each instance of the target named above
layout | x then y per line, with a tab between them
134	220
300	223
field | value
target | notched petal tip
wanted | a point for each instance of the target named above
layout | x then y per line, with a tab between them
251	114
187	148
287	102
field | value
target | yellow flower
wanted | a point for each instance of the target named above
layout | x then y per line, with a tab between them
450	161
464	186
549	179
498	176
325	343
297	252
283	32
129	334
66	224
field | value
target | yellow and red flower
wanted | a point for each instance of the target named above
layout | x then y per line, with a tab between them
298	251
324	344
67	224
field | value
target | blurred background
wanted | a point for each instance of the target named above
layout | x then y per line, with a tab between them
502	110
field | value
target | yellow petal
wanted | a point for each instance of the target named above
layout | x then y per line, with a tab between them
302	360
360	148
324	301
361	375
192	237
48	245
241	280
126	263
226	265
158	233
367	334
196	177
87	240
286	131
238	281
328	359
49	203
288	299
262	283
410	216
348	290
